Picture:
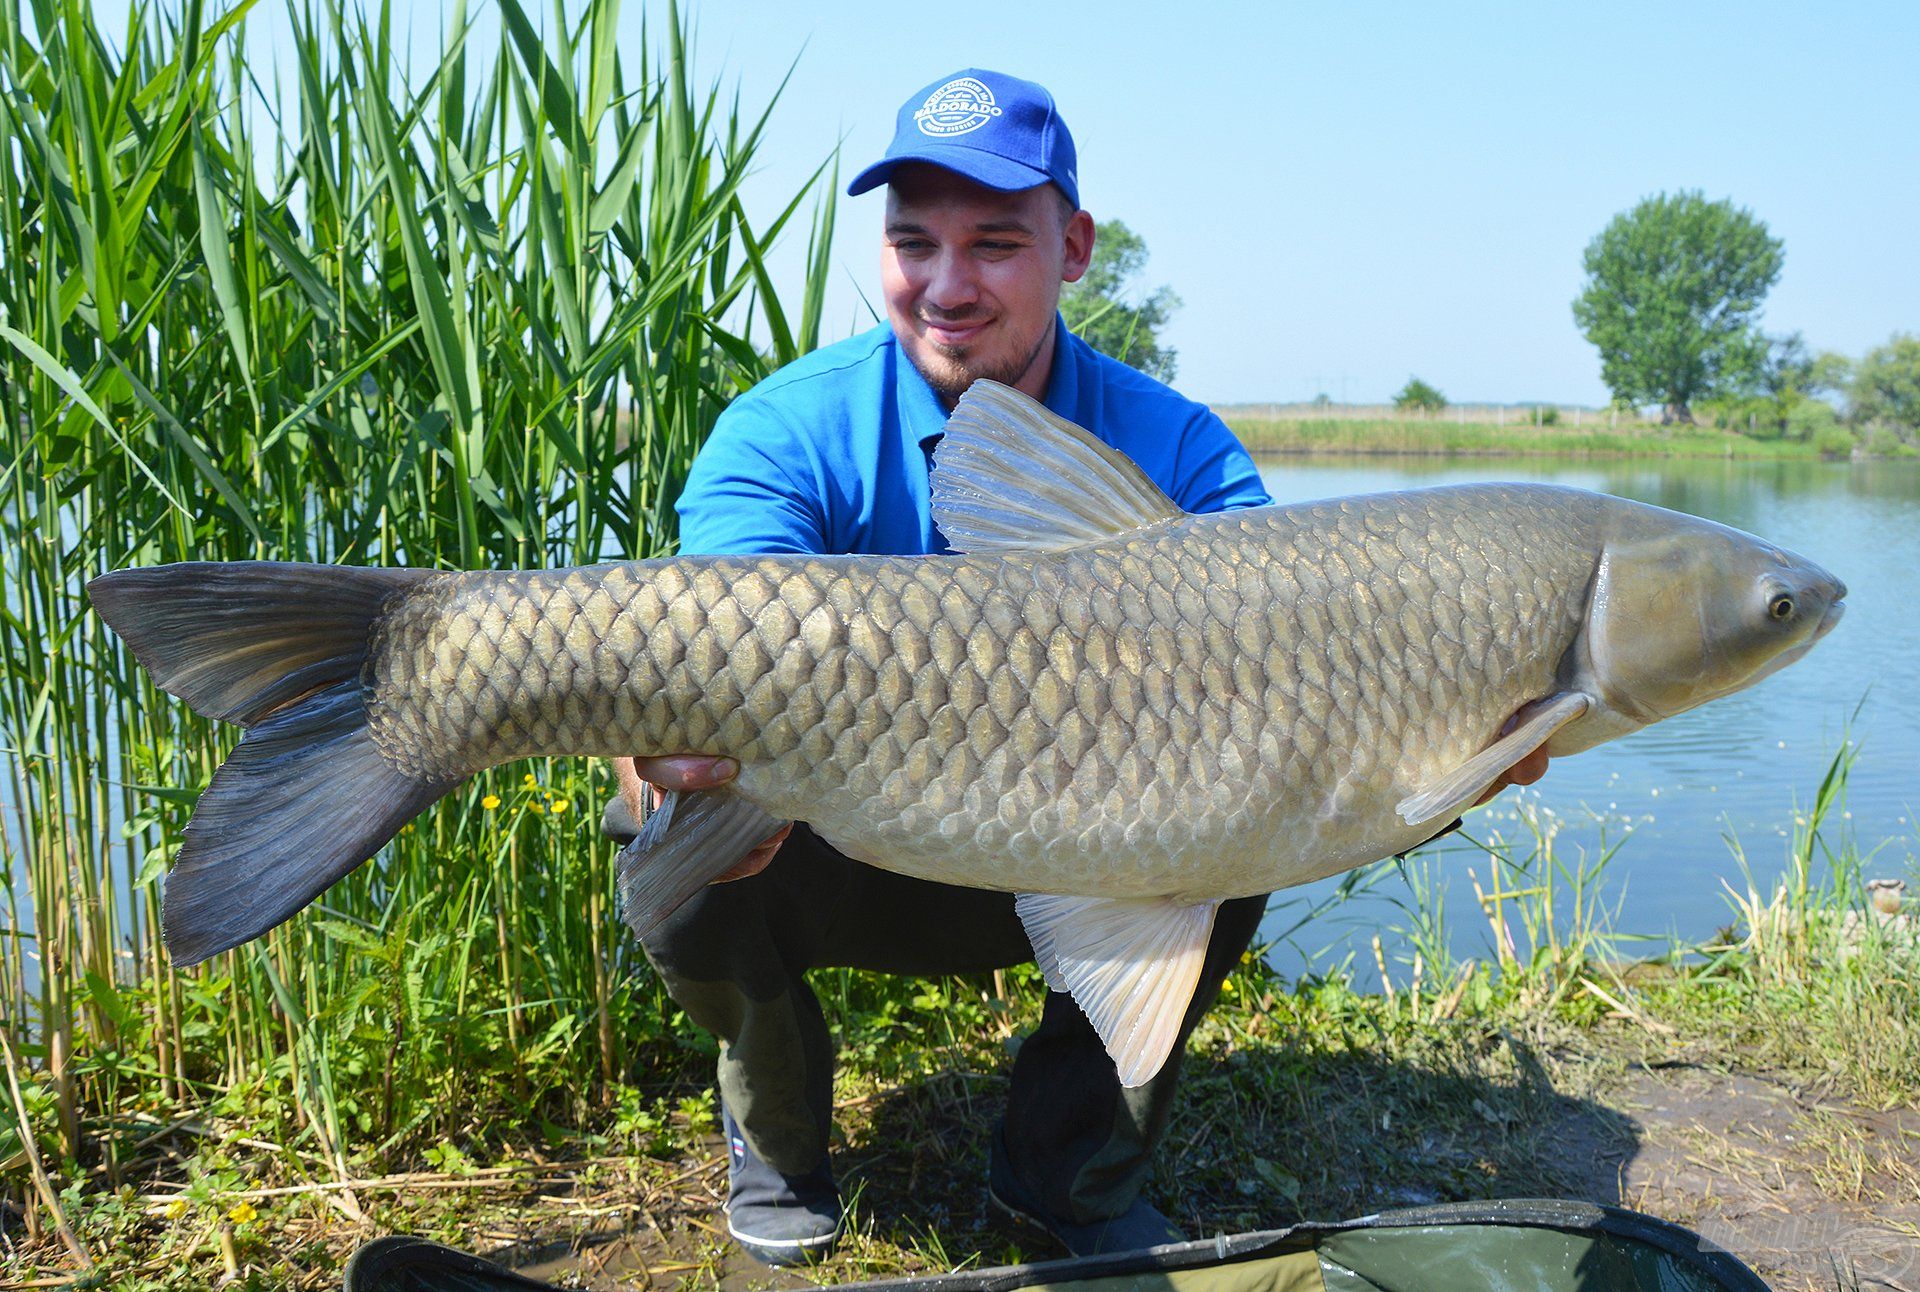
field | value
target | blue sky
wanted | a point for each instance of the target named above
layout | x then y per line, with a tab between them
1345	195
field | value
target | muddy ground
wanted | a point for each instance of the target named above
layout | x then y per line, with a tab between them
1810	1191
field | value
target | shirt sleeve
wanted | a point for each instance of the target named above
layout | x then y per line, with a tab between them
755	487
1215	472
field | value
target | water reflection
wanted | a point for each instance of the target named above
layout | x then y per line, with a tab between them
1740	764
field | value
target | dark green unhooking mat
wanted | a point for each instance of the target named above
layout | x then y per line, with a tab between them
1521	1245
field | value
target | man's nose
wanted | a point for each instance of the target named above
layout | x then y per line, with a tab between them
953	284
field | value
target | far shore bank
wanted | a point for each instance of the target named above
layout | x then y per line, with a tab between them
1377	436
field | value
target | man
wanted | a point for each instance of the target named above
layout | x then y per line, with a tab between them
831	455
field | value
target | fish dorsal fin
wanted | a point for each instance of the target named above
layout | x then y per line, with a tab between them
1010	474
1130	963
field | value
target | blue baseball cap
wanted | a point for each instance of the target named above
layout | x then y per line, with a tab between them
996	130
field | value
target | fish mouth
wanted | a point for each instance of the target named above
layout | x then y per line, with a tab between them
1827	621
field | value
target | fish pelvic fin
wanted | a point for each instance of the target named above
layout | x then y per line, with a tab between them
306	795
690	840
1131	964
1456	791
1009	474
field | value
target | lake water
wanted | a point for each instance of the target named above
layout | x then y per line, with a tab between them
1741	765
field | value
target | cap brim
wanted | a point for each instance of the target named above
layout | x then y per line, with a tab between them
988	169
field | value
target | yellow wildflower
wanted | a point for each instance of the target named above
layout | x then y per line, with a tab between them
490	802
560	805
176	1209
536	807
242	1212
528	780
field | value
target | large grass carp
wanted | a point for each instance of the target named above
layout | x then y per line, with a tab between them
1120	711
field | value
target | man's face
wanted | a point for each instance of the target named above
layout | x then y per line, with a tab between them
972	277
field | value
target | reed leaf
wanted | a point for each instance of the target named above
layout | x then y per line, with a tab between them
481	320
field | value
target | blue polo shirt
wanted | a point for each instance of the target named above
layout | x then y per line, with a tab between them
830	454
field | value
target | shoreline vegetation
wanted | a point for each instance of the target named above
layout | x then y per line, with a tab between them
1471	432
1413	1076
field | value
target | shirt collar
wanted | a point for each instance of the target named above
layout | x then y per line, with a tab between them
923	419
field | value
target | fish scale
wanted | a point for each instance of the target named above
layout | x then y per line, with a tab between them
1161	711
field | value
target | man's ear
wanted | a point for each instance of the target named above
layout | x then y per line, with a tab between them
1079	238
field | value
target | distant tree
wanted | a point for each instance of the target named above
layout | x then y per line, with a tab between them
1885	390
1673	289
1097	309
1776	395
1417	396
1829	373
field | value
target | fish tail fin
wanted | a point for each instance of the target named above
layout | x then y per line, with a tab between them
306	795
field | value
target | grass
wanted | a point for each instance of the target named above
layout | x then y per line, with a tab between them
1442	435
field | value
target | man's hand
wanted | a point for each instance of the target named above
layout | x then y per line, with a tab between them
642	779
1525	772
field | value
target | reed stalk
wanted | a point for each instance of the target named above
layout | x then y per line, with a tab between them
323	312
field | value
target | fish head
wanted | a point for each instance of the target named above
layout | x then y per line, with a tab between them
1684	610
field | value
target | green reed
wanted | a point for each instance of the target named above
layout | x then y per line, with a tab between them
320	312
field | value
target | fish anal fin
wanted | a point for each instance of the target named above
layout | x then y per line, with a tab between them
689	841
1010	475
1456	791
1130	963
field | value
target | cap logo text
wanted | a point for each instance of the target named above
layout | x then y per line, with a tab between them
961	105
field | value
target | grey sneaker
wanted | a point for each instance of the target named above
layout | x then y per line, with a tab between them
778	1219
1140	1225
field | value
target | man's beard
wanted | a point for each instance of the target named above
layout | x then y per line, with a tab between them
950	375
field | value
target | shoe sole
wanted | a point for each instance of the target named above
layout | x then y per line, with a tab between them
779	1252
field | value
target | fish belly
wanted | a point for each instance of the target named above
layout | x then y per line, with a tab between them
1211	707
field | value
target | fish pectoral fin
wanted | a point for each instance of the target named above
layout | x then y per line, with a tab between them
1010	475
1455	792
1130	963
689	841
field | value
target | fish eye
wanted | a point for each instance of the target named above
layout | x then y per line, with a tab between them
1781	607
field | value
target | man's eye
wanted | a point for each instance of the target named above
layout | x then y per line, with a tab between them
914	245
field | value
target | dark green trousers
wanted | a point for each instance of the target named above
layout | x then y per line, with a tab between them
736	956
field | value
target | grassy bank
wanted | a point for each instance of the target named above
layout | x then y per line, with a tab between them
1490	1075
1441	435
